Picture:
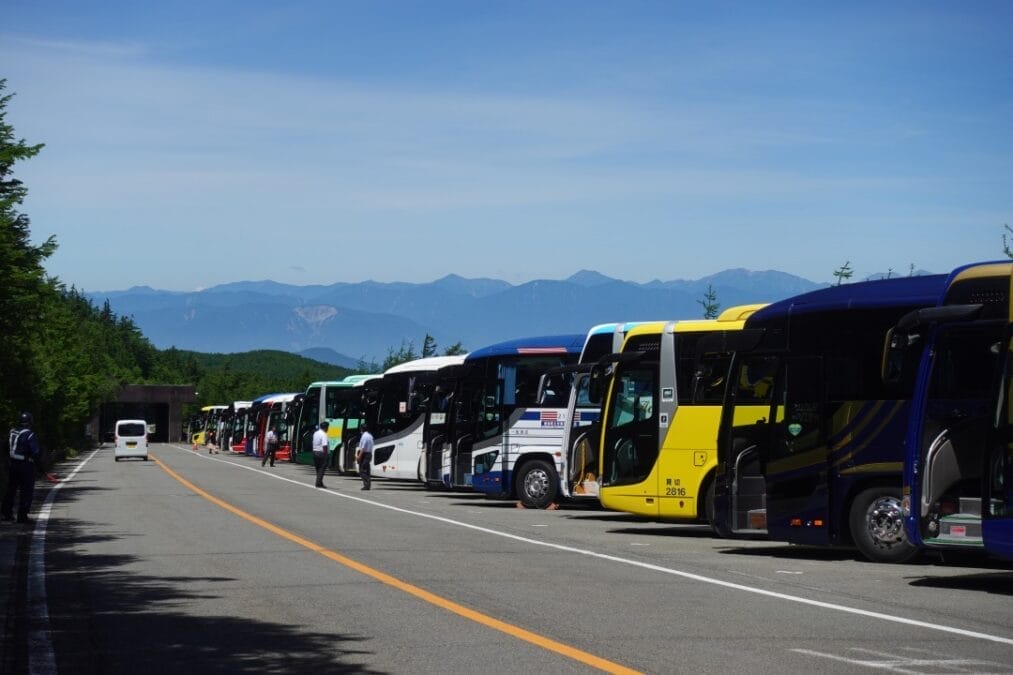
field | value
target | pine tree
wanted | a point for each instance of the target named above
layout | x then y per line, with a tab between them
710	303
428	346
843	272
21	271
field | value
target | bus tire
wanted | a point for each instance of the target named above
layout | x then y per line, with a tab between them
877	526
537	484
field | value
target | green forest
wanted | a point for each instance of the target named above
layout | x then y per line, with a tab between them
61	357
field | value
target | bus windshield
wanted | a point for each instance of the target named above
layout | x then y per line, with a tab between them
631	434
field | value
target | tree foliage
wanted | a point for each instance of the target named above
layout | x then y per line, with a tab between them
843	273
223	378
61	357
428	346
456	349
406	352
710	303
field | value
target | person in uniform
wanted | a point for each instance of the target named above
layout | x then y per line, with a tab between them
320	452
364	456
270	446
24	453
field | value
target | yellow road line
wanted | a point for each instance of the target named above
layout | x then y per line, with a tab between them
449	605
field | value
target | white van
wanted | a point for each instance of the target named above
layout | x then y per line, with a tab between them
131	439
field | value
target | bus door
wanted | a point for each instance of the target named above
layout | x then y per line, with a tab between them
487	431
437	422
343	408
997	524
630	442
476	410
582	471
796	466
955	418
309	416
744	438
434	435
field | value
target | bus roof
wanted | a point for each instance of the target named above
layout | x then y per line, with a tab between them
349	381
986	283
609	328
280	398
545	344
730	319
924	290
358	379
428	363
265	397
209	408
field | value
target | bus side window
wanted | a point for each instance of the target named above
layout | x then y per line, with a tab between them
709	380
803	405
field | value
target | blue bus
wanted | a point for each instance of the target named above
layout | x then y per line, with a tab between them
489	413
811	439
997	470
953	353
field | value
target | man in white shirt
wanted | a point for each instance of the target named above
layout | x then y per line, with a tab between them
364	455
320	452
270	446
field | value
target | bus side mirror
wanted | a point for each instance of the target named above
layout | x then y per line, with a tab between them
895	352
596	385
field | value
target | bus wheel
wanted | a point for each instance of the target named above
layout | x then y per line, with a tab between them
877	526
537	484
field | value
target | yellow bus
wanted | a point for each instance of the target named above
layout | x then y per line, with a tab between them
660	420
204	422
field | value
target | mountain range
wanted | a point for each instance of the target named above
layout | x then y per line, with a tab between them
344	323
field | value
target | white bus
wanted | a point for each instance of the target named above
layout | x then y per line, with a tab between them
395	412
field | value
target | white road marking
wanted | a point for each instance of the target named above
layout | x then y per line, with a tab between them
41	659
896	663
892	618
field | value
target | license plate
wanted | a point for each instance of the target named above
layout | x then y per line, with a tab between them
131	444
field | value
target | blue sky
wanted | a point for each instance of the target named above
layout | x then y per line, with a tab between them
192	144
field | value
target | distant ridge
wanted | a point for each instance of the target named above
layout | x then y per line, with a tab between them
329	356
589	279
344	323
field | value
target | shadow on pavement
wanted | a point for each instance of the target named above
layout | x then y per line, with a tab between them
999	583
104	619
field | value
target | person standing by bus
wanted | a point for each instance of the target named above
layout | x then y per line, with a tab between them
320	452
24	452
270	446
364	456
